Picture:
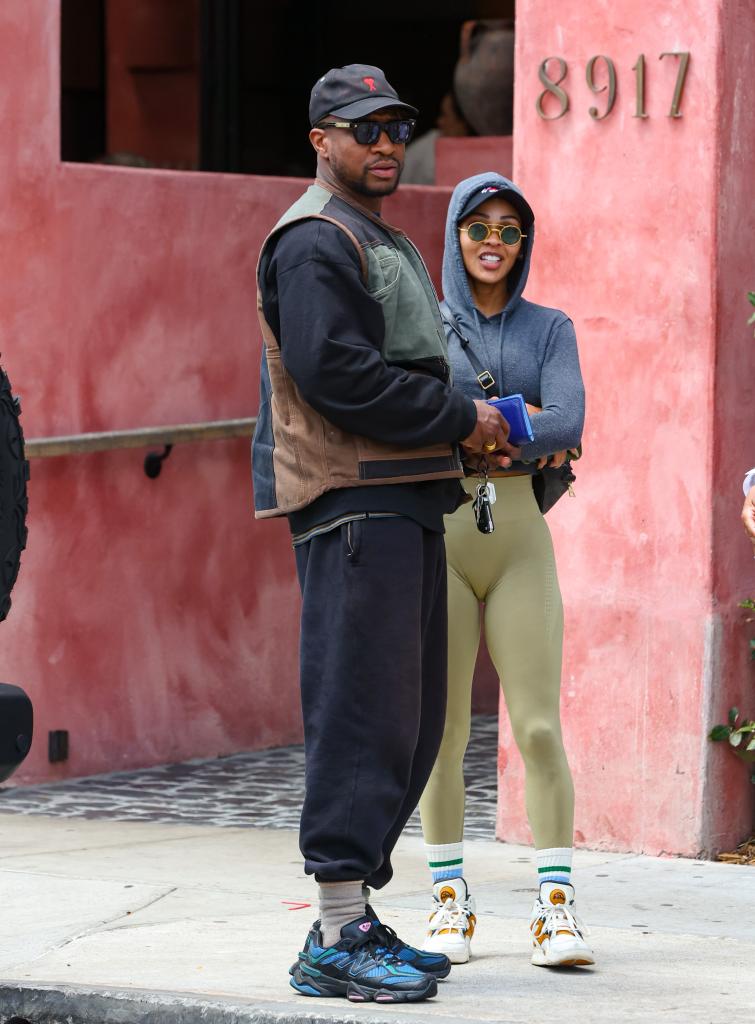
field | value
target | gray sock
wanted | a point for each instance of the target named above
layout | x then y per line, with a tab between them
366	893
340	902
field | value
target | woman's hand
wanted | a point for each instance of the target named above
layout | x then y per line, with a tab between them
557	460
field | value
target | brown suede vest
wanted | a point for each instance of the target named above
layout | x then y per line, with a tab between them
299	455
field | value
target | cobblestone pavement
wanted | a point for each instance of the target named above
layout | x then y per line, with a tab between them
261	789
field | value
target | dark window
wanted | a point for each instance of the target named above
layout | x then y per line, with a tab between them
82	102
223	85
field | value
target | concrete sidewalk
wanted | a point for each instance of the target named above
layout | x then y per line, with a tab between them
122	922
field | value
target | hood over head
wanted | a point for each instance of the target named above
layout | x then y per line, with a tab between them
466	197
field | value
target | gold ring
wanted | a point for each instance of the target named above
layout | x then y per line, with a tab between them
490	446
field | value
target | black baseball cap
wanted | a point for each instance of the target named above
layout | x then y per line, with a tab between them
353	92
516	199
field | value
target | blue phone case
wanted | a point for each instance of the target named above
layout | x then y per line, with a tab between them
514	411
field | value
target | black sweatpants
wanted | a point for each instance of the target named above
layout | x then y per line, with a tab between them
373	685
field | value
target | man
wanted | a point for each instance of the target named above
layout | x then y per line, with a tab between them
356	444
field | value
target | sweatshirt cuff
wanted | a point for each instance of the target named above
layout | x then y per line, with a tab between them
749	481
469	416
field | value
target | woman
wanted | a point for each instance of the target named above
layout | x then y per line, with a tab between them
529	349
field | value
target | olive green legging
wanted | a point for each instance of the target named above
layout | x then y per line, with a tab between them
512	571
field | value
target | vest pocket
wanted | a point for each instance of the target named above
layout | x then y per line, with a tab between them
384	268
279	392
379	461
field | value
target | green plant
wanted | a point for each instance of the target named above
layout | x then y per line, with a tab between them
741	735
751	297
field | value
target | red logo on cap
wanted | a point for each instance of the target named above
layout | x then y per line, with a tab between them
371	83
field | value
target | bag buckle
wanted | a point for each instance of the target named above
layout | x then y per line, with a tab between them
486	380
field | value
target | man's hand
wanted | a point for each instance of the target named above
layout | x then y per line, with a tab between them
490	436
748	515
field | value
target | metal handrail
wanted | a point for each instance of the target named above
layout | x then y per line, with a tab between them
182	433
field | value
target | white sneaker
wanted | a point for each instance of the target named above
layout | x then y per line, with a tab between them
557	933
452	922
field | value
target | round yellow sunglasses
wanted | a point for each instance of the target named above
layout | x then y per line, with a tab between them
509	234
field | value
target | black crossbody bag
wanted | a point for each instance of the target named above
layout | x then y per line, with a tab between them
549	484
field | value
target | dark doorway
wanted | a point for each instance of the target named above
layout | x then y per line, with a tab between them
82	92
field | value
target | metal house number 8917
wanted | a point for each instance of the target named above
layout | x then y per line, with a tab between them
553	85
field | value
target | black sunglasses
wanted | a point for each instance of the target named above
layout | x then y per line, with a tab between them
366	133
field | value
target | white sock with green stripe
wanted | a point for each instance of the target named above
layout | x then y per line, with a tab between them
445	860
554	865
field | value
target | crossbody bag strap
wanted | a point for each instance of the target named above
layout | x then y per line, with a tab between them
485	378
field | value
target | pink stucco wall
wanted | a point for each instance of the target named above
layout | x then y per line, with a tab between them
457	158
651	557
154	620
139	623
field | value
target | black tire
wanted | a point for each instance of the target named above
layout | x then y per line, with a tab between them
14	474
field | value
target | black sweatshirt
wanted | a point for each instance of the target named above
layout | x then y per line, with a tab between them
330	330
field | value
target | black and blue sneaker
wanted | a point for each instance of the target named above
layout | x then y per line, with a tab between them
359	967
429	963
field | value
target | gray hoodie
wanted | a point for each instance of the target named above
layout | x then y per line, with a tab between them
529	349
